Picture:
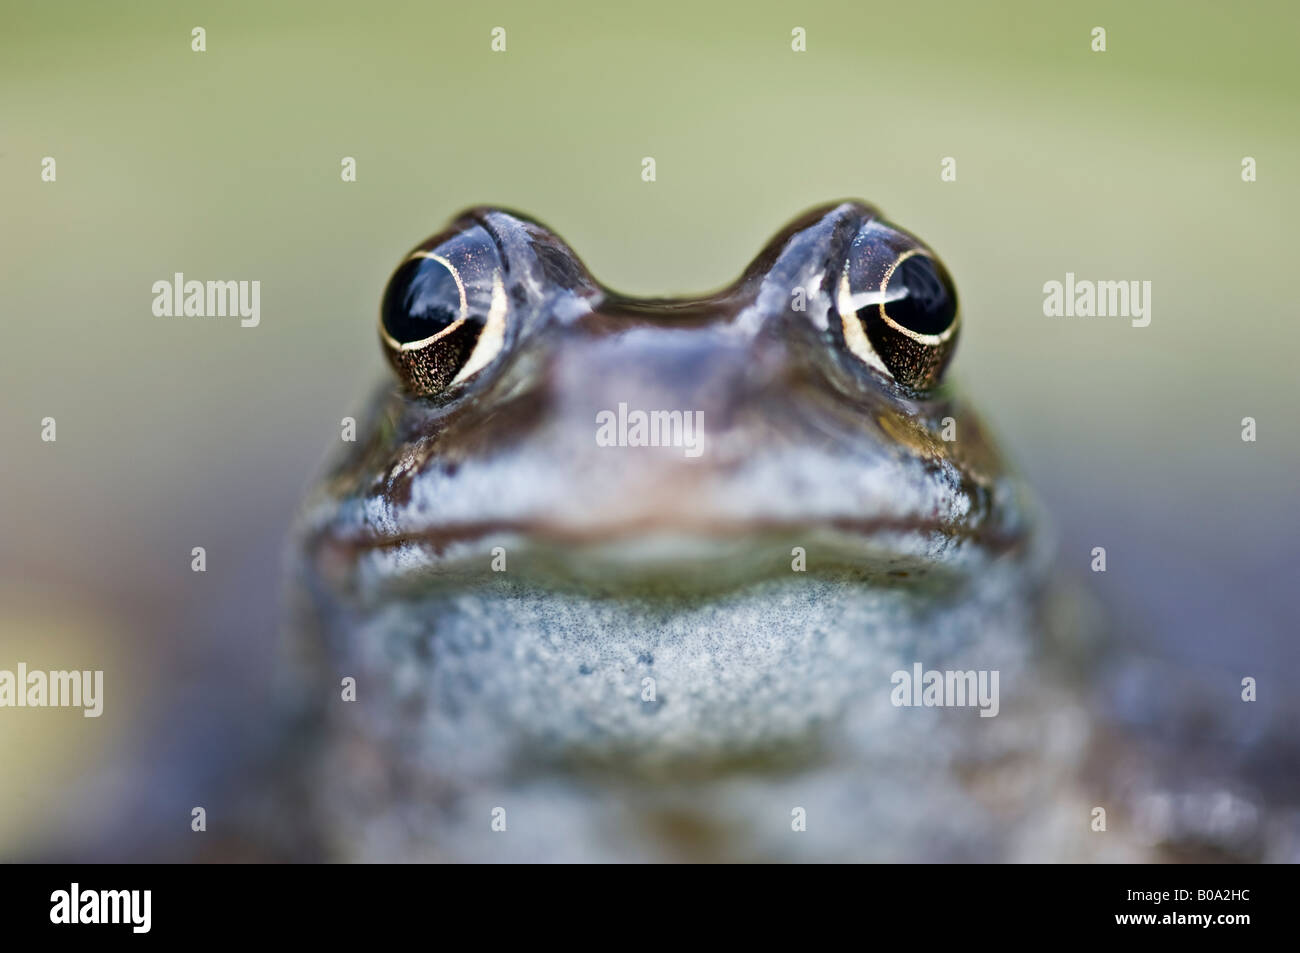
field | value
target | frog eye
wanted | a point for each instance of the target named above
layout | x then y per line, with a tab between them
442	319
898	308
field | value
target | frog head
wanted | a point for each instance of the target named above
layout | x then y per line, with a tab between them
803	406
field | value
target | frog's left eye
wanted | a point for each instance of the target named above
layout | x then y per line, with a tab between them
443	315
898	307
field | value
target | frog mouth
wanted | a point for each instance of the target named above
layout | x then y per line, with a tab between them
866	495
882	549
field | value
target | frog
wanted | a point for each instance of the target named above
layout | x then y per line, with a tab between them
613	578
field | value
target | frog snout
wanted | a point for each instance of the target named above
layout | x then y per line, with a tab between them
662	389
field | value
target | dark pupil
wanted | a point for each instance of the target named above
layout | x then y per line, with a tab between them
926	304
422	299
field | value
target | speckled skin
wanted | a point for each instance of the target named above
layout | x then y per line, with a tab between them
527	689
767	698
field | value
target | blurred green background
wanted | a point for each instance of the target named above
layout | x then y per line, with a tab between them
174	433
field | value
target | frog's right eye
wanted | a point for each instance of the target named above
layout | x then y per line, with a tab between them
898	306
444	311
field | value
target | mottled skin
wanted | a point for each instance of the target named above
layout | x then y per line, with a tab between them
649	678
